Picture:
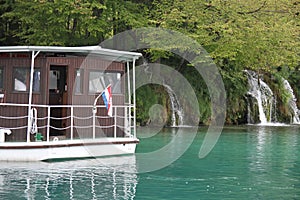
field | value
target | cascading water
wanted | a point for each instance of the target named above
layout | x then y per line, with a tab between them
292	103
260	91
177	111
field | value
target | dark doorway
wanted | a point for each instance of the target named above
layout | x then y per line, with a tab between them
58	96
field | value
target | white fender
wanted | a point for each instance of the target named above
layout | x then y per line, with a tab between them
33	121
4	131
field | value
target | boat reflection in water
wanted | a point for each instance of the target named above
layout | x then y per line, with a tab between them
101	178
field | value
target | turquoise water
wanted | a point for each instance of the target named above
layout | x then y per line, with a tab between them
249	162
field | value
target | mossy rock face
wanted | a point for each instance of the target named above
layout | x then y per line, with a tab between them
253	112
241	108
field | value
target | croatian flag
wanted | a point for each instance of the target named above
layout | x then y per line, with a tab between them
107	98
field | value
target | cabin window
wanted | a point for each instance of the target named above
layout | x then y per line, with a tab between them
1	78
54	76
36	80
21	77
115	81
98	81
78	81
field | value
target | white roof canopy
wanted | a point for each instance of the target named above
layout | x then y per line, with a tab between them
115	55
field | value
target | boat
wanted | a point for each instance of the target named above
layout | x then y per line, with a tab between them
51	106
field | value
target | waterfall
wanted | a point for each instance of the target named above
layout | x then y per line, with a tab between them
292	103
260	91
177	111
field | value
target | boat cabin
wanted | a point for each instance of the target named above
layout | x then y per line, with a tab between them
51	93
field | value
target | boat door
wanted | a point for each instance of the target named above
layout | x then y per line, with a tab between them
57	96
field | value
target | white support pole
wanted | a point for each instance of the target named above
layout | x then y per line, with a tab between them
94	121
94	114
128	114
72	121
128	82
115	127
33	56
48	124
134	98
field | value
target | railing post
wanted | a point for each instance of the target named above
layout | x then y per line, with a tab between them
72	121
134	98
129	118
48	124
126	124
115	128
33	56
94	121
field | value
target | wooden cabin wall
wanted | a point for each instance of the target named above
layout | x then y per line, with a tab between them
8	65
11	96
87	64
44	63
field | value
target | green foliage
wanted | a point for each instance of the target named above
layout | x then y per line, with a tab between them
236	88
57	22
259	35
146	97
263	36
295	83
68	22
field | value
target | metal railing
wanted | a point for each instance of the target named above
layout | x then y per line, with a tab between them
74	117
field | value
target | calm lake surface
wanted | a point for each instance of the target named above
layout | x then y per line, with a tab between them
248	162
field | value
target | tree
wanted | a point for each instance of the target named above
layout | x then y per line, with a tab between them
69	22
8	26
261	35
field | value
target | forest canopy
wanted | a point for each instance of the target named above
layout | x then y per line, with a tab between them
260	35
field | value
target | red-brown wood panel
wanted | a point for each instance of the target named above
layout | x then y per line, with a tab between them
10	61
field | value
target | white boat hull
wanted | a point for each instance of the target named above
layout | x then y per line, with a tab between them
66	149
